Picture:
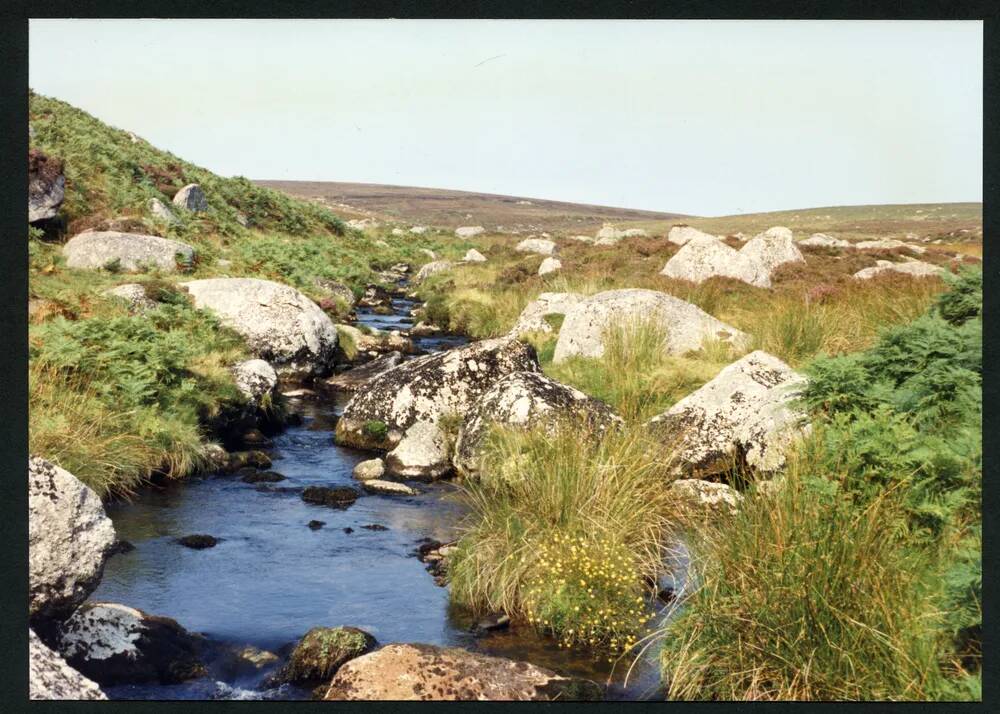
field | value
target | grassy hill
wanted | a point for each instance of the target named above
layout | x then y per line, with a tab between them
450	209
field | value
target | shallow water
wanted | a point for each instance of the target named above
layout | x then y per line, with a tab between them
271	578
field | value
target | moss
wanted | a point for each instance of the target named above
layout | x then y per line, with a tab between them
323	651
375	429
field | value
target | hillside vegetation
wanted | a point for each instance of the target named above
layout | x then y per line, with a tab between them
117	398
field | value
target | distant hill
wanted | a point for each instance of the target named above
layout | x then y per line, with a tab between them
450	209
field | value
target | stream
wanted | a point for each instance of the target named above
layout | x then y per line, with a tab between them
271	578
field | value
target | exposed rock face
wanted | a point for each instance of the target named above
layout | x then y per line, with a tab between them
256	379
129	252
49	677
279	323
422	453
361	224
46	186
882	244
549	265
609	234
134	296
682	234
160	211
707	257
522	399
468	231
430	269
582	239
772	248
706	496
532	317
369	470
537	245
425	672
114	644
916	268
421	392
323	650
69	539
746	414
419	230
822	240
687	326
353	379
192	198
474	256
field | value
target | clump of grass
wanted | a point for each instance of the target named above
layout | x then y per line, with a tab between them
564	532
636	375
804	597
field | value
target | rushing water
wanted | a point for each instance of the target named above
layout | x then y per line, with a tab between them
272	578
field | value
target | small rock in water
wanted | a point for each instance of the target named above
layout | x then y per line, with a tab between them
263	477
198	541
337	496
122	546
392	488
254	437
491	623
316	525
348	530
375	527
247	472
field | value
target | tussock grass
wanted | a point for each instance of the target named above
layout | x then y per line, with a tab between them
636	375
563	532
804	597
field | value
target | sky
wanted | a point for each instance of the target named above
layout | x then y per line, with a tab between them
697	117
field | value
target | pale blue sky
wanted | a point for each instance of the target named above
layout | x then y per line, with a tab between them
702	117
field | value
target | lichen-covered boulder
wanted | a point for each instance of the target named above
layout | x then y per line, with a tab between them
161	212
69	539
772	248
422	391
337	291
532	317
426	672
526	399
127	252
429	269
474	256
423	453
462	232
279	324
707	257
49	677
746	416
46	186
549	265
256	380
323	650
705	497
687	326
134	295
114	644
192	198
822	240
681	234
420	230
369	470
914	268
541	246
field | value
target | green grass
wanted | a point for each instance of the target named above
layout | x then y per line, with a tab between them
636	375
564	532
862	578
